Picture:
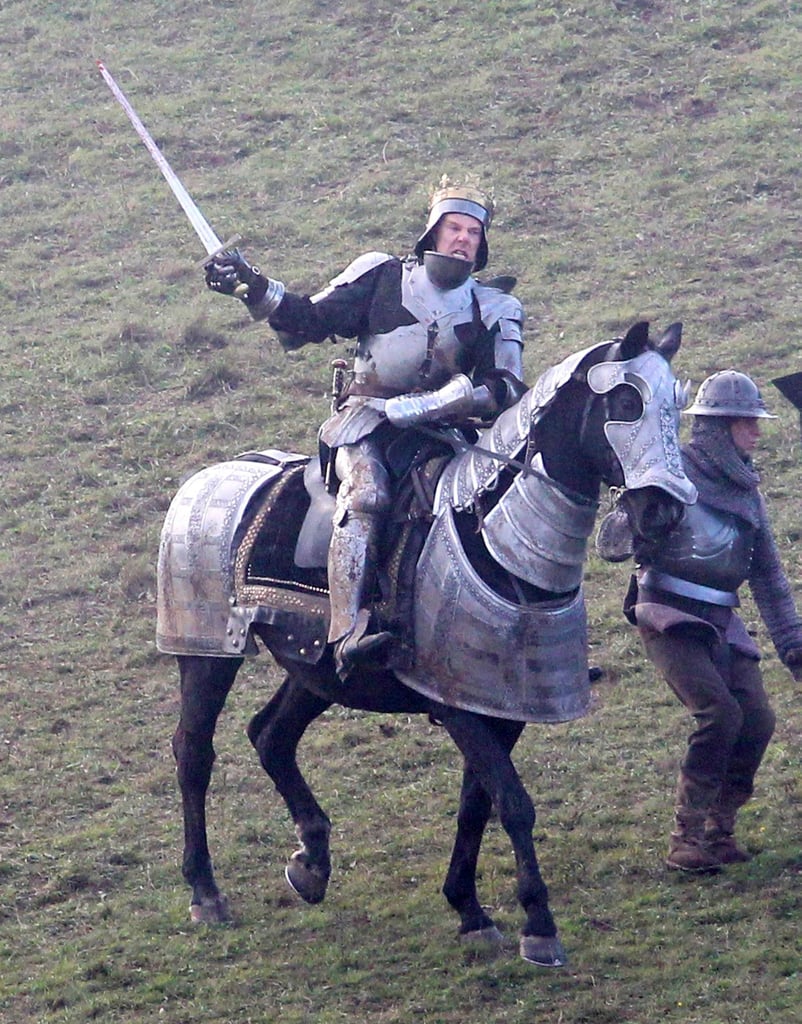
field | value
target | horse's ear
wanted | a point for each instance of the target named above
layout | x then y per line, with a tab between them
669	344
635	340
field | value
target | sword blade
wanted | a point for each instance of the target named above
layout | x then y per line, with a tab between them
203	229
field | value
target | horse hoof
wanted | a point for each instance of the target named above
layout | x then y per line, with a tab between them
545	952
211	910
483	940
308	883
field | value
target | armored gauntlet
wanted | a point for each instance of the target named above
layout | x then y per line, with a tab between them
230	274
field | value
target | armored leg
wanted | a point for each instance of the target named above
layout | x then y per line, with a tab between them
362	499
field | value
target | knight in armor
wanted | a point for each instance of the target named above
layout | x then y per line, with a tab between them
433	344
683	600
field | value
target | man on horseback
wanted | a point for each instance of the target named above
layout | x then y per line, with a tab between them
432	344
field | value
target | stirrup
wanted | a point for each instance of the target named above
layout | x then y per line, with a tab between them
359	649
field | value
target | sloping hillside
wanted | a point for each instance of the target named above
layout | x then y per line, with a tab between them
644	156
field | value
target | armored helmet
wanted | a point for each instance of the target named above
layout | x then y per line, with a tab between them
729	393
453	198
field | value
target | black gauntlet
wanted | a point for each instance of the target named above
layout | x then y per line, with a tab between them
230	273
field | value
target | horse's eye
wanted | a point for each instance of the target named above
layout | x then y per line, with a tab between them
627	404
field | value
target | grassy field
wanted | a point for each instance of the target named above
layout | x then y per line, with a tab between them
644	156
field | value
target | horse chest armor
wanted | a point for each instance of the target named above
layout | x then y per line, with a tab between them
467	635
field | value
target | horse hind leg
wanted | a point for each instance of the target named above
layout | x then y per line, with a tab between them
205	684
275	733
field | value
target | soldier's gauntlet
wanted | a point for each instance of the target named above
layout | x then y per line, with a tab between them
453	401
229	273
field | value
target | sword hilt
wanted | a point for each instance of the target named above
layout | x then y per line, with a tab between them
338	377
221	248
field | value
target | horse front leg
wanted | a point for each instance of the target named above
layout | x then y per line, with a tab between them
475	806
205	684
275	733
486	744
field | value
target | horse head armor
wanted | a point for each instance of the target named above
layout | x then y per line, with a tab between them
647	449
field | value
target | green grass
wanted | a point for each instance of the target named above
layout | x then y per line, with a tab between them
644	156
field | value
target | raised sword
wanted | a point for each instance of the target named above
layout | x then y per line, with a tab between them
203	228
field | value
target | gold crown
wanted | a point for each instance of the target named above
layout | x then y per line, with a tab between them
469	189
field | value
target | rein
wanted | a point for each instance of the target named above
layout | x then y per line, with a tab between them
460	445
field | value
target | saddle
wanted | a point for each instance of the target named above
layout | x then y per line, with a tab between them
281	545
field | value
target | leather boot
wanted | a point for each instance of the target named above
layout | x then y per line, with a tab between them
720	823
720	838
688	849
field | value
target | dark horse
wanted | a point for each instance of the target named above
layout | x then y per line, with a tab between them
608	413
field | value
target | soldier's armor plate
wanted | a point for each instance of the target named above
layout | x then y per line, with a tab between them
708	547
398	359
421	356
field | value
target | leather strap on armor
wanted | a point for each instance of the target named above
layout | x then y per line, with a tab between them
654	580
369	390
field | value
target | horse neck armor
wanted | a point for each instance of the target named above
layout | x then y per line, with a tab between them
536	531
475	473
539	533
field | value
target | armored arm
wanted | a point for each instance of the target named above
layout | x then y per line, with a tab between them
341	309
458	399
500	366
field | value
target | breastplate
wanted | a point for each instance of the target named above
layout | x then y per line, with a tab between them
422	355
709	547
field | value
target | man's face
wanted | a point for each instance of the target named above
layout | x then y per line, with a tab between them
458	234
745	433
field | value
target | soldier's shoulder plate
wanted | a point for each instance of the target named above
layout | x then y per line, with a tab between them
356	268
496	304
